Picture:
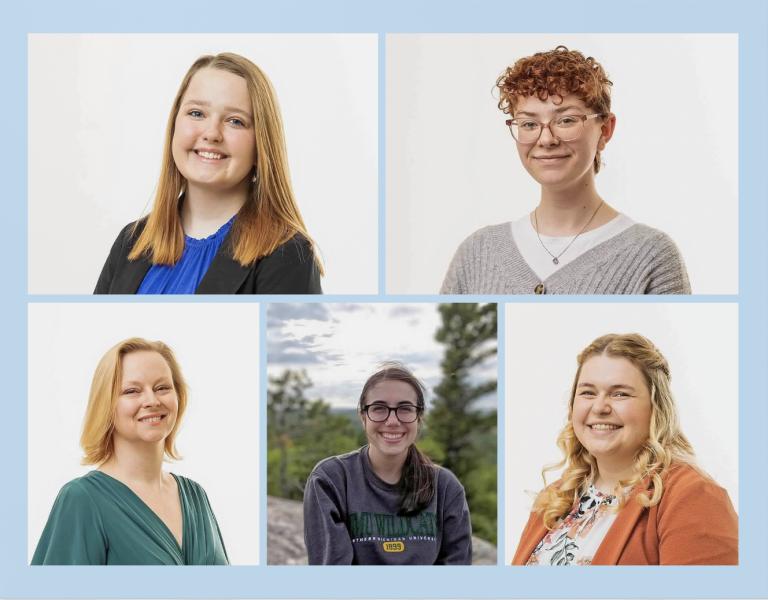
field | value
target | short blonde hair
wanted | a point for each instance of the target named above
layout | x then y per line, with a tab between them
666	444
99	422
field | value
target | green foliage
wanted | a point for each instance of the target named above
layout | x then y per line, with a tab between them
466	434
300	433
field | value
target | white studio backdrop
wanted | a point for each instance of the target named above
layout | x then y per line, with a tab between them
98	107
700	342
452	165
217	350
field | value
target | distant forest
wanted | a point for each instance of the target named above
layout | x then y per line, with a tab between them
457	434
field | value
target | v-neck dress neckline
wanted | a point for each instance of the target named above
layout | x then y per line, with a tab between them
98	520
152	514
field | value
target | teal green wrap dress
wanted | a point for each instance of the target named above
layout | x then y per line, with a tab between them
97	520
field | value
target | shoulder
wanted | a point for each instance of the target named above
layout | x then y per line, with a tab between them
290	269
188	486
296	249
448	485
336	467
683	480
643	235
130	232
485	237
127	238
692	495
78	493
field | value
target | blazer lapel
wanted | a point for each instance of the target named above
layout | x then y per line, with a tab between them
225	275
533	534
616	539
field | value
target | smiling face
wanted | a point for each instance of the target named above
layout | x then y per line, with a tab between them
611	413
147	405
390	438
213	141
552	162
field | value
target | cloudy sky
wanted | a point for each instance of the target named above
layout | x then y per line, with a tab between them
341	345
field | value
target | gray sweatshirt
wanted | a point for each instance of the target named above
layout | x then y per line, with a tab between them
350	518
639	260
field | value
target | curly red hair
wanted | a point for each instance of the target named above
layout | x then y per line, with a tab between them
556	73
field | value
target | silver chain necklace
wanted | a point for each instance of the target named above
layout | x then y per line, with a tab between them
556	259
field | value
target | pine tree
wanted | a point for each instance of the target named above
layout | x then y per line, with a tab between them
466	434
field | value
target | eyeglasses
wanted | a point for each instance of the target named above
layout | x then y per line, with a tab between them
565	128
405	413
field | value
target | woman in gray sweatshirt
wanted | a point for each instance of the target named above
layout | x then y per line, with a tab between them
386	503
573	242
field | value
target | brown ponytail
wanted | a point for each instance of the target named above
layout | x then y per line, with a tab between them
417	481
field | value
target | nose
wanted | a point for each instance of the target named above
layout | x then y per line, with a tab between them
601	405
212	132
150	399
547	138
392	418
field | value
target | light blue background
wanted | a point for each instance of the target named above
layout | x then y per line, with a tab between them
748	19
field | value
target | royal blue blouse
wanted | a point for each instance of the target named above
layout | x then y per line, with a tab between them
185	275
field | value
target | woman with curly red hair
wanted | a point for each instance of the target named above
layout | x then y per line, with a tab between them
573	242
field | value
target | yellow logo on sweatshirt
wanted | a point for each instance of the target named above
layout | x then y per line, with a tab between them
393	546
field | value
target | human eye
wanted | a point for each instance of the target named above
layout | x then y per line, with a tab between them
407	409
195	113
620	394
528	125
164	387
378	410
568	120
130	391
237	122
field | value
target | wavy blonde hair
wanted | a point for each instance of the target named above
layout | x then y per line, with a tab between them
269	218
666	444
99	422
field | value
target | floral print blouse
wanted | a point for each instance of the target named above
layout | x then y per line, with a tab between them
577	537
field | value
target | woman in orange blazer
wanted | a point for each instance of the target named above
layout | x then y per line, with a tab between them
630	493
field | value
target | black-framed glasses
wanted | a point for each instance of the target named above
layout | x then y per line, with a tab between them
565	128
405	413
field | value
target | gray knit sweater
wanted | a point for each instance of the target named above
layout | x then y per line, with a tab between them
639	260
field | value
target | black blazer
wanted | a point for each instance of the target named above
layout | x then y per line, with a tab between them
290	269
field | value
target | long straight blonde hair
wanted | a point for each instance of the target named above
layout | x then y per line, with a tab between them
269	218
666	444
99	422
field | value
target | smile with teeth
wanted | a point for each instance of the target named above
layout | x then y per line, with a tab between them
209	155
392	436
604	426
153	419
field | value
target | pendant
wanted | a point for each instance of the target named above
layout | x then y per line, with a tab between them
554	260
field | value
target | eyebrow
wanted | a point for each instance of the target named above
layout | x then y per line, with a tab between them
136	382
226	108
562	109
619	386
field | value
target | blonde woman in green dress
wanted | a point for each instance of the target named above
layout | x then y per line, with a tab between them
129	511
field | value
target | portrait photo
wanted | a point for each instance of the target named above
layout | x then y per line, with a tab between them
562	164
381	434
143	433
622	439
203	163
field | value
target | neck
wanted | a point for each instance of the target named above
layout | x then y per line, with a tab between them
609	475
387	468
139	464
565	211
204	210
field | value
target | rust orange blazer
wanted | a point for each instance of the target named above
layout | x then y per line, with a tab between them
694	524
